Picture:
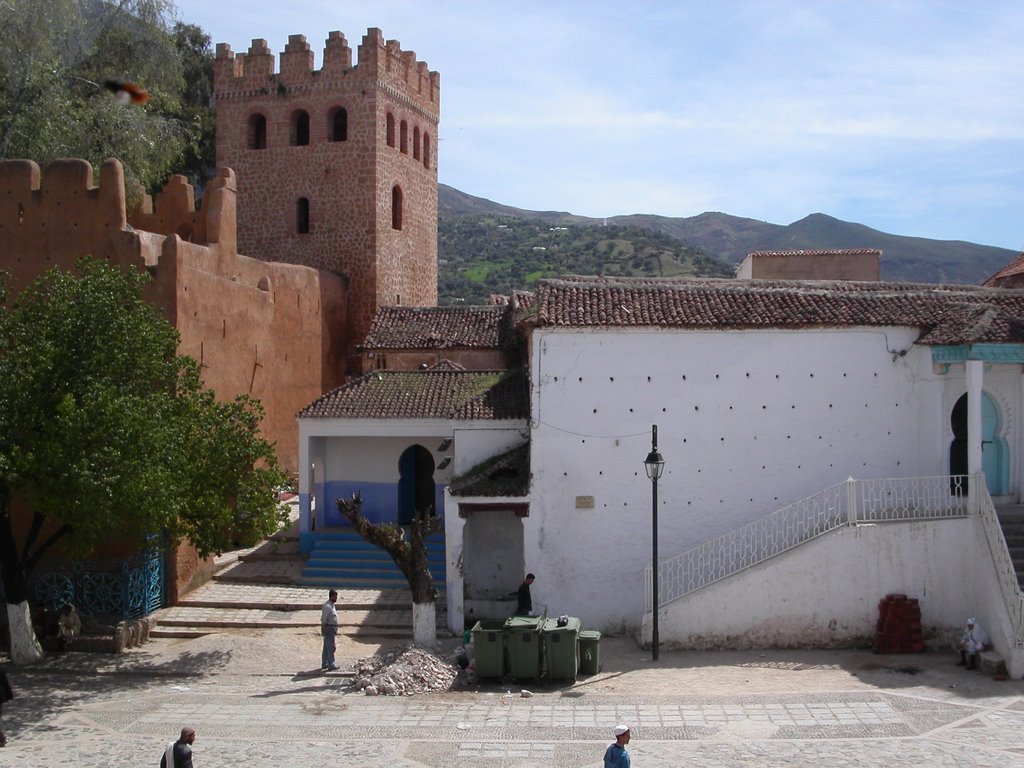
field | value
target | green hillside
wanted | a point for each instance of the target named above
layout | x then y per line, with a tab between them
479	255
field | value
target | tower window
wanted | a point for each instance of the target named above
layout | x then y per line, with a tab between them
396	207
338	128
416	143
426	150
391	130
302	216
300	128
257	132
404	138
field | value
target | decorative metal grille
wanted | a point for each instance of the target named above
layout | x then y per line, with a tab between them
128	588
910	498
848	503
1005	570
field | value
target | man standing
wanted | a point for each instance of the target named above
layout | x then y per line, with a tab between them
179	753
524	602
616	755
329	629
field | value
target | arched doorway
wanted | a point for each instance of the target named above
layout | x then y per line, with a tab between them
994	450
416	488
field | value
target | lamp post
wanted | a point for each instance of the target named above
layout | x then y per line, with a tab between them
654	465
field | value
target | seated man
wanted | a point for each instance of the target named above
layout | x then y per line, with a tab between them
973	642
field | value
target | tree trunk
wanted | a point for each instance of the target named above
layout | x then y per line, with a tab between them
25	648
424	624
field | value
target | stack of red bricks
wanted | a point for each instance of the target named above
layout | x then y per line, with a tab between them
899	626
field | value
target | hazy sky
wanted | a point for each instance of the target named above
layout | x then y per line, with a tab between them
904	116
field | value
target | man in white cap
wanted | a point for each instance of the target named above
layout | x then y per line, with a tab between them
616	755
973	642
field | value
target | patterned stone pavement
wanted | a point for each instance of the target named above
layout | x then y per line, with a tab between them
81	710
254	696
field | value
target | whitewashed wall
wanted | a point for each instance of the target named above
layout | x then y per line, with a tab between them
825	593
749	421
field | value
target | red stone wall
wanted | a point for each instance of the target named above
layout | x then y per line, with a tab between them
348	183
268	330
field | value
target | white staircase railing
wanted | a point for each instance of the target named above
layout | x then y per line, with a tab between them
849	503
1005	571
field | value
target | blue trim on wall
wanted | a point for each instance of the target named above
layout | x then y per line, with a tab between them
991	353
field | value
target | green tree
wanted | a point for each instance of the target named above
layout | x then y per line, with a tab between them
106	432
55	56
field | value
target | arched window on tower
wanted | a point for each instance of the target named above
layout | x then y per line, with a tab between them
416	143
391	130
302	216
426	149
300	128
337	127
396	207
403	145
257	138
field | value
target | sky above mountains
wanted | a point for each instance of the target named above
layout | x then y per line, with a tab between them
904	115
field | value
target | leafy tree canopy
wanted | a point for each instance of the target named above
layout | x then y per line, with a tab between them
105	431
55	56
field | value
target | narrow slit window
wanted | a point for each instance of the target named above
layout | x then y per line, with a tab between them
302	216
396	207
339	125
300	128
391	130
404	138
416	143
426	150
257	131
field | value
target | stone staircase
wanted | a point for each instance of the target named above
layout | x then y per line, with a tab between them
267	587
342	558
1011	520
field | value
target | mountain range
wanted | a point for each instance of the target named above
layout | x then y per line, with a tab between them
721	236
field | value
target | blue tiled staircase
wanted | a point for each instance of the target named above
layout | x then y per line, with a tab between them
343	558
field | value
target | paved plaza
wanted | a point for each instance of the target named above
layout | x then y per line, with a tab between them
254	697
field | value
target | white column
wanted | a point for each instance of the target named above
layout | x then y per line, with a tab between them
305	481
975	375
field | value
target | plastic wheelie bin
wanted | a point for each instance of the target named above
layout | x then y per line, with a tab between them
489	649
590	652
522	640
560	652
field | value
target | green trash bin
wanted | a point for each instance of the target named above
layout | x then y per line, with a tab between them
489	649
522	639
590	652
560	650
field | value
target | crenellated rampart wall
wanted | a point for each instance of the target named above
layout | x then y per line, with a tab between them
270	330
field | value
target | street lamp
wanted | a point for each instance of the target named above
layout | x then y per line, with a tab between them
655	466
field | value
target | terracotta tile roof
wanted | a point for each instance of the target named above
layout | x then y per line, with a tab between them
505	475
1014	268
946	314
441	392
821	252
436	328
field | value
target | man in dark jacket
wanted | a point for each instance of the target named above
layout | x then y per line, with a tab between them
524	601
179	753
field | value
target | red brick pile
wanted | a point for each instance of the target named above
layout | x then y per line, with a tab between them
899	625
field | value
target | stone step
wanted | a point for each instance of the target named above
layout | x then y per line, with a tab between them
991	663
192	632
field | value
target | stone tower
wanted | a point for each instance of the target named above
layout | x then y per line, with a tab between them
337	167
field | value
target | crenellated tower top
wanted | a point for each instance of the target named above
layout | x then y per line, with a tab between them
379	60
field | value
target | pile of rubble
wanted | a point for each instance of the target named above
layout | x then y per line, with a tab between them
403	672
